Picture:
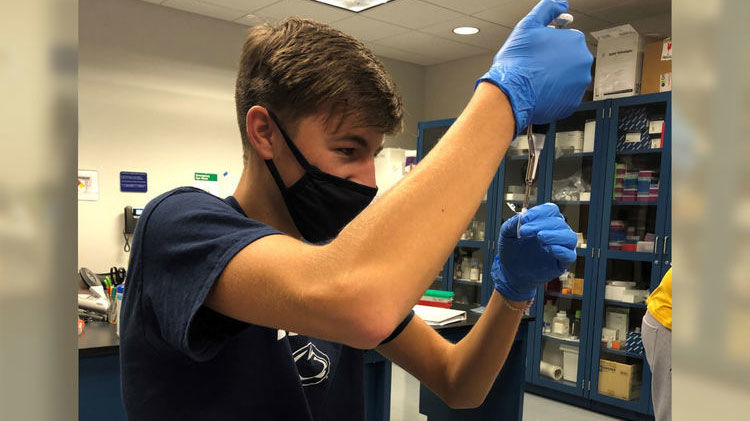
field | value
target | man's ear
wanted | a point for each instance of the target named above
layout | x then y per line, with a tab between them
259	127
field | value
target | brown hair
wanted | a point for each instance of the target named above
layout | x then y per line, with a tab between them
300	67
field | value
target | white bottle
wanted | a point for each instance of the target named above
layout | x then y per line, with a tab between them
474	273
561	324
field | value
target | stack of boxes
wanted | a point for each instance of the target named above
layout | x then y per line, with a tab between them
437	298
624	291
632	186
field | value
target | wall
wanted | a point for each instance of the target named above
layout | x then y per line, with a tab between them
448	86
156	94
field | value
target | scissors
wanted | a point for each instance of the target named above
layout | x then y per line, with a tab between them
117	275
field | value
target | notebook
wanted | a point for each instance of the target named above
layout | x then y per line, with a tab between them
436	316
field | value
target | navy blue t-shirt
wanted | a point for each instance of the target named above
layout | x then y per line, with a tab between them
181	360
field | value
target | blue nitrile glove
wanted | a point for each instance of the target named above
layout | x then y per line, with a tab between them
543	71
546	249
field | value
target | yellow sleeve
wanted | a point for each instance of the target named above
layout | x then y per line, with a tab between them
660	301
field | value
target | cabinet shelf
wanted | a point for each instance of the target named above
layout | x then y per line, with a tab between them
572	202
624	304
467	282
561	295
522	157
639	152
621	203
475	244
636	256
561	340
621	353
577	155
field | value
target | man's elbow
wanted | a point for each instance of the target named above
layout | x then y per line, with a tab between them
372	329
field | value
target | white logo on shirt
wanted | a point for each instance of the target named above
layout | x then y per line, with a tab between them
313	359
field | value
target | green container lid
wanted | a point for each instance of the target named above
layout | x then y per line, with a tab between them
578	313
438	293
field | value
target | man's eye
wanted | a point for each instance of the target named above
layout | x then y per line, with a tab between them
345	151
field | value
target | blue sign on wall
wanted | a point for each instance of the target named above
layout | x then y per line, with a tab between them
133	181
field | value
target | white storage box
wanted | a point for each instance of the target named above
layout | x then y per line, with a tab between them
618	319
589	132
619	55
570	141
570	362
615	293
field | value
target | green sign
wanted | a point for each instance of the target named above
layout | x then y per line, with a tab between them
202	176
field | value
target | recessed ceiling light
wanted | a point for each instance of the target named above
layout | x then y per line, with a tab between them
466	30
354	5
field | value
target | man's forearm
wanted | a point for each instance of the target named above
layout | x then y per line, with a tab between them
395	247
476	360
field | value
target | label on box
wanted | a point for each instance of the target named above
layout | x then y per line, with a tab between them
654	127
666	50
665	82
633	137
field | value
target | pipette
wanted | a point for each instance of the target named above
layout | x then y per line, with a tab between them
535	147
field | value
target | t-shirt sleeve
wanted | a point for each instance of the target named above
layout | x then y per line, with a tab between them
188	239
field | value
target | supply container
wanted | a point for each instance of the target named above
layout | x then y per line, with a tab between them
561	324
570	362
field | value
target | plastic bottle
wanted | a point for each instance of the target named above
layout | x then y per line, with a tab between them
120	292
474	273
561	324
575	329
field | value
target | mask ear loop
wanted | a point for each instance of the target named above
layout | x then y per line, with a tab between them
297	154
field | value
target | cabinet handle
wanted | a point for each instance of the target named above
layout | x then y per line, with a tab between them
664	249
656	243
592	252
598	253
610	112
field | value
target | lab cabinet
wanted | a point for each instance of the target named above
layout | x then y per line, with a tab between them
607	167
466	272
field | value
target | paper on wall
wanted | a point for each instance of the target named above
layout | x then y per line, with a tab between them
88	185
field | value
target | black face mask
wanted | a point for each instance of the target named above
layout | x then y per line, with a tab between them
320	204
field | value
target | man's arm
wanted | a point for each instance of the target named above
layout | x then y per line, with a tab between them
357	288
460	374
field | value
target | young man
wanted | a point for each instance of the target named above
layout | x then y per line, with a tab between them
216	288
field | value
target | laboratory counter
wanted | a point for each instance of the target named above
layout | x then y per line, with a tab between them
99	378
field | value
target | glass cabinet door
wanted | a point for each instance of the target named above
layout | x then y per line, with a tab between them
634	223
565	316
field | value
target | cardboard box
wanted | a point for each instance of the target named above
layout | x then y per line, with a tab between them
622	381
577	288
619	55
657	67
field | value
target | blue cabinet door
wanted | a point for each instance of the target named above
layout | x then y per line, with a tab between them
575	152
633	215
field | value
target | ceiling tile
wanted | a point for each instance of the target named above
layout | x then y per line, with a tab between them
431	46
587	24
654	27
507	12
366	29
303	8
412	14
206	9
246	5
250	20
464	6
626	11
397	54
490	36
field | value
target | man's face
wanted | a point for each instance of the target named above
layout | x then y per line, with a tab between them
342	150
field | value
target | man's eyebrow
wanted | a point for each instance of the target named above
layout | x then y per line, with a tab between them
361	141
